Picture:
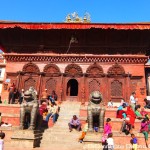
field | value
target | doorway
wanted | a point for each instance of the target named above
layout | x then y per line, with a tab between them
72	87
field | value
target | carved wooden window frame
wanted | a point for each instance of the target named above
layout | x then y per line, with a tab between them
73	70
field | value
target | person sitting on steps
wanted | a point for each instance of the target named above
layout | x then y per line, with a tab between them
147	103
53	97
74	123
52	113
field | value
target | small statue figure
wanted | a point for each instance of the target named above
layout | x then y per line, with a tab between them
30	104
68	18
94	110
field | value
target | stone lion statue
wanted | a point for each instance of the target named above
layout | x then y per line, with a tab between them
30	104
95	111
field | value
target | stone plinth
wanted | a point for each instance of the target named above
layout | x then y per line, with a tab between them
93	137
92	141
26	138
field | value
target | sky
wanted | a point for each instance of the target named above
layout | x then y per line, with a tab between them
101	11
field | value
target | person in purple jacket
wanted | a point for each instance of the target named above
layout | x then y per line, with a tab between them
74	123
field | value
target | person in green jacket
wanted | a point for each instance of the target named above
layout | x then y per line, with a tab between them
138	113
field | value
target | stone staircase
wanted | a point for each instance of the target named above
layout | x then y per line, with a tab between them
59	137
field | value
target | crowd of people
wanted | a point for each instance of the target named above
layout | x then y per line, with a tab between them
16	96
128	112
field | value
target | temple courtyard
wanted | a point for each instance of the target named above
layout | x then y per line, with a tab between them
57	136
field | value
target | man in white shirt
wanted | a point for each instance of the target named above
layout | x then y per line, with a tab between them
133	100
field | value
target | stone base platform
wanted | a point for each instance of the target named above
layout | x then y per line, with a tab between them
26	138
93	137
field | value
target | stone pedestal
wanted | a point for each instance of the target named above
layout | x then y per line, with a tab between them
93	137
92	141
26	138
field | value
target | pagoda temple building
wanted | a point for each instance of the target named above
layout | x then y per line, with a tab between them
75	59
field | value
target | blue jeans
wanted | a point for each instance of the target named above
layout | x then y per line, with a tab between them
54	116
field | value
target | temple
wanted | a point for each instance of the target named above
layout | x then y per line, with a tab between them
75	59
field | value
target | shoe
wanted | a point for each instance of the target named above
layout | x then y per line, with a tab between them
80	141
70	130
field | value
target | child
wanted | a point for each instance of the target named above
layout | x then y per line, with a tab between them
110	141
110	104
107	127
2	136
107	130
85	128
95	127
134	142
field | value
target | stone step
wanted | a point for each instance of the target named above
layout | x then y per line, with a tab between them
58	146
59	133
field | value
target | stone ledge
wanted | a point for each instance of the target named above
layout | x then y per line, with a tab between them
5	128
107	109
10	105
10	115
112	119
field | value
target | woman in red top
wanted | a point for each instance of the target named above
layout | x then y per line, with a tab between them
130	113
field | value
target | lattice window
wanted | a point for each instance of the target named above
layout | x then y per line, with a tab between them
116	89
94	85
50	85
28	83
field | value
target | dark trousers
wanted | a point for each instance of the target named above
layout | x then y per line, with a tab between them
20	100
78	127
11	98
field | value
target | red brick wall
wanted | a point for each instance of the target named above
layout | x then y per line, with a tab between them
133	69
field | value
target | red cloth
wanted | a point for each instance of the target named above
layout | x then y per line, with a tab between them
119	114
42	109
130	113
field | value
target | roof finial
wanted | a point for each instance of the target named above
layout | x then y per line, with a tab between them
74	18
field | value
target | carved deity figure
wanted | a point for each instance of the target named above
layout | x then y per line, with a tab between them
29	105
95	111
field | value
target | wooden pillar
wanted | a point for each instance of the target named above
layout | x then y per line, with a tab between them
128	88
39	85
83	92
61	89
18	80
